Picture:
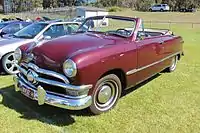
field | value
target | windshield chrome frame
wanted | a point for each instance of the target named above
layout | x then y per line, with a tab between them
110	17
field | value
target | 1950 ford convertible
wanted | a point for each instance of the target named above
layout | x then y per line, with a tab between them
91	68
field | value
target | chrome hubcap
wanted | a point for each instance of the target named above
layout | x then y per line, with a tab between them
104	94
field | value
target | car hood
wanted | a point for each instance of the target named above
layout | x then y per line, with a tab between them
11	41
58	50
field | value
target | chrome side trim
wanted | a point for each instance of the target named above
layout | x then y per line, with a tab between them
48	72
131	72
147	66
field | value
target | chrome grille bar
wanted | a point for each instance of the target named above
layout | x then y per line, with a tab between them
51	82
48	72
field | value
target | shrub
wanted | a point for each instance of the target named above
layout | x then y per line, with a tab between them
114	9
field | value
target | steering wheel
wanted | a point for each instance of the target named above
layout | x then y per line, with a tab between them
127	33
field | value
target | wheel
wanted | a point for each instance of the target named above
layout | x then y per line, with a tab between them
8	64
150	10
173	64
161	10
107	93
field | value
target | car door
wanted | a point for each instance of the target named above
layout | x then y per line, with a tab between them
155	8
150	53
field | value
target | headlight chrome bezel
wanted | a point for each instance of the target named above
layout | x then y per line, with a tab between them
18	54
70	68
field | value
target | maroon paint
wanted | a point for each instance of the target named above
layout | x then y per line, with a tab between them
96	54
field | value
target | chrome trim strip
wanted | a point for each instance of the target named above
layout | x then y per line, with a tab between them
43	96
157	62
22	70
27	82
131	72
65	86
48	72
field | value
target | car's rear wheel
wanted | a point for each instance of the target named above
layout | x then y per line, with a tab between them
161	10
8	64
106	95
173	64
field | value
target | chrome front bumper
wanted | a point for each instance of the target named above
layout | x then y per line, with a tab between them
53	99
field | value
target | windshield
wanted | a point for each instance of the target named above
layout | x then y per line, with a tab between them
30	31
3	25
117	26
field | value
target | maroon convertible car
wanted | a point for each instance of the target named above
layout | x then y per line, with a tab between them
92	67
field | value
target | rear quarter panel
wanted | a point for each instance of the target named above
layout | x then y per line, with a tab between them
172	44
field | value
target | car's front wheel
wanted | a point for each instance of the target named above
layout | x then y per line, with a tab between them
8	64
107	92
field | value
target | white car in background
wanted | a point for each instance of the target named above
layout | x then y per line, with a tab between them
159	7
33	34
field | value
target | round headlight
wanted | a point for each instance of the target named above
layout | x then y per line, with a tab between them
18	54
69	68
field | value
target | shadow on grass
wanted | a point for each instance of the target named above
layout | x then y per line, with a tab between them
48	114
30	109
128	91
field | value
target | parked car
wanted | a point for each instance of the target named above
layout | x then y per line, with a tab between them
92	67
188	10
33	33
12	27
159	7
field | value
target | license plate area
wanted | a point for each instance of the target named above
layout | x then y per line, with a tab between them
28	92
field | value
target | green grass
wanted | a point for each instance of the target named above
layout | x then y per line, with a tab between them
167	103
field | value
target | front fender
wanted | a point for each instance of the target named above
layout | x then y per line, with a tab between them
93	64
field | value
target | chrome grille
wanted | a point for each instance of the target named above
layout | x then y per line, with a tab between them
46	78
41	71
50	80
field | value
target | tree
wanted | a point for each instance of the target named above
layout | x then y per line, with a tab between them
143	5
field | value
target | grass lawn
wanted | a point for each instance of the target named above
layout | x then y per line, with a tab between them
169	102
